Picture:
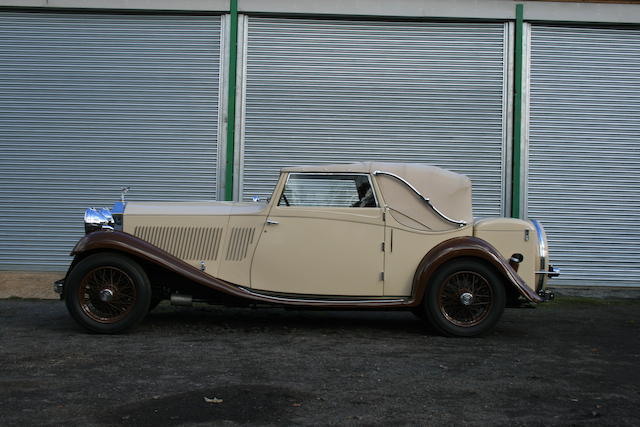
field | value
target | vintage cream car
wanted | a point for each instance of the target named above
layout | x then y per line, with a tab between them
356	236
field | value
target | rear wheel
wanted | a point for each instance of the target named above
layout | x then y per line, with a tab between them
465	298
107	293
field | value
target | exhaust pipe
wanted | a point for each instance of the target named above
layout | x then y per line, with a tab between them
181	300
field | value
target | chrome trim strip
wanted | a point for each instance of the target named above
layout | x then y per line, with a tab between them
328	300
542	252
459	223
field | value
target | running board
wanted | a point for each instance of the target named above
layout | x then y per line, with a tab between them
317	300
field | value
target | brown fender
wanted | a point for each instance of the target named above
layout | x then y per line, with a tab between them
467	247
123	242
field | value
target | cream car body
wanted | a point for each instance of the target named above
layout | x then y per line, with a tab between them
365	235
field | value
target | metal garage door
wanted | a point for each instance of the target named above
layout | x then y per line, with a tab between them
584	158
328	91
89	103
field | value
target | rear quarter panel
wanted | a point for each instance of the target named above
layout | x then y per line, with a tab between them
405	250
510	236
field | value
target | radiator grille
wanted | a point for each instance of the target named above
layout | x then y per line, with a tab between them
241	239
190	243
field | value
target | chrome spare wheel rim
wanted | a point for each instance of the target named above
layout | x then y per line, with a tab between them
465	298
107	294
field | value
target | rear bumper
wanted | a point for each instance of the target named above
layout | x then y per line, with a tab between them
552	272
547	295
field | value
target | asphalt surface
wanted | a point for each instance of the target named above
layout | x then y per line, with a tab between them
570	362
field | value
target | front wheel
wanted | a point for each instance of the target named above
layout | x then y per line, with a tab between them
107	293
465	298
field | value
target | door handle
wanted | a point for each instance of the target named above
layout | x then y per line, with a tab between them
271	222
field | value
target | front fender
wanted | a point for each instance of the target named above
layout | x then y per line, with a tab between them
467	247
118	241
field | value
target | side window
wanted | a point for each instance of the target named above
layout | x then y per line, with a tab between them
328	190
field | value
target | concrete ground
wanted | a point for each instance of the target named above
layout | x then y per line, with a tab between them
569	362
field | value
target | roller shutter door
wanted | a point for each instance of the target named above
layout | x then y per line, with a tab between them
584	151
328	91
90	103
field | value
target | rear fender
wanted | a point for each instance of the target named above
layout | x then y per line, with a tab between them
468	247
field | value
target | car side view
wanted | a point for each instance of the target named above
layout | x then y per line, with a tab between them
382	236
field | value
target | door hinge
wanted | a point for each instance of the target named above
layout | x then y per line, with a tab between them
382	275
382	246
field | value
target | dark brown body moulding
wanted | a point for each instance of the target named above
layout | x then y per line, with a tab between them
445	251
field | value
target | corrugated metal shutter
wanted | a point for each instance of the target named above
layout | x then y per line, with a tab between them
328	91
90	103
584	158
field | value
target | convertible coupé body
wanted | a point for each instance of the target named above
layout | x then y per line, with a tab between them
355	236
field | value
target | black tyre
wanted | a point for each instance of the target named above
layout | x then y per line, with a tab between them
107	293
464	298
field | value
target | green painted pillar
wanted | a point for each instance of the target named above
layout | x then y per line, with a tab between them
231	106
516	183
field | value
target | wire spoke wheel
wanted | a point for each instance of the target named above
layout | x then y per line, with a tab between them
465	298
107	294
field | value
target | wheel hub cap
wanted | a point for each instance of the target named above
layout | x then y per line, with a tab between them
106	295
466	298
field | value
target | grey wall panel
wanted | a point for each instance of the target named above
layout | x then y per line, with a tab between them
322	91
584	151
90	103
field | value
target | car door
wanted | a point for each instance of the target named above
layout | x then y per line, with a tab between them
324	236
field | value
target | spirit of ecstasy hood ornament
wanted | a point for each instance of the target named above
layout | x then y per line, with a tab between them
124	191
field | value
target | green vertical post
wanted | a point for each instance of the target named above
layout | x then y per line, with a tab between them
517	114
231	106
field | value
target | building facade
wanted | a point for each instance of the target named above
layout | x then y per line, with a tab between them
537	102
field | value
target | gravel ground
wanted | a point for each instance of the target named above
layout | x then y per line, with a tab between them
571	362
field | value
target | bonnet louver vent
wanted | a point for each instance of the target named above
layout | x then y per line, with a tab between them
240	241
187	243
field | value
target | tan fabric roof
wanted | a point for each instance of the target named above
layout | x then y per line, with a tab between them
449	192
